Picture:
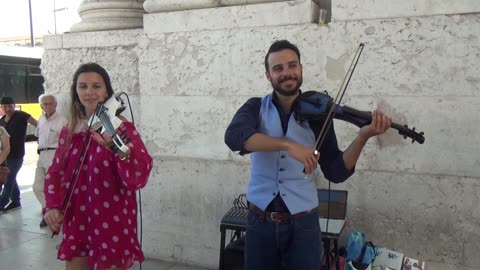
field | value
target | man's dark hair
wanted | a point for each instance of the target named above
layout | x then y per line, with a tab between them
7	100
281	45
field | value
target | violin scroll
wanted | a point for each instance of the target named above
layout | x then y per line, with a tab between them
411	133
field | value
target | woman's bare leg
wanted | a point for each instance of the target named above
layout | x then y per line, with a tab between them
78	263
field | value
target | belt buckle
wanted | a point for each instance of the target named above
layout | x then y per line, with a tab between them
272	216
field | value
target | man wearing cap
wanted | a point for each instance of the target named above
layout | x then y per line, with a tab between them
15	122
48	130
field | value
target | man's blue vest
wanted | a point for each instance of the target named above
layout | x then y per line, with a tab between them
276	172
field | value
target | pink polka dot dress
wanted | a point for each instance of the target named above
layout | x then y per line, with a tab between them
101	220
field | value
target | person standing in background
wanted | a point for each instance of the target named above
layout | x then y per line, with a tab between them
48	130
4	146
15	122
4	150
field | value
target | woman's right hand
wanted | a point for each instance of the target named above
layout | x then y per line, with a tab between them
54	219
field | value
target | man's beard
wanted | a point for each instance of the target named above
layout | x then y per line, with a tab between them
287	92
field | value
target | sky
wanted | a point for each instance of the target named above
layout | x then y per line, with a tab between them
15	22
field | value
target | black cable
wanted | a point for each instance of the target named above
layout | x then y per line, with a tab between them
328	206
139	192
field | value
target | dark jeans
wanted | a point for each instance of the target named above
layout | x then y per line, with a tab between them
296	243
11	192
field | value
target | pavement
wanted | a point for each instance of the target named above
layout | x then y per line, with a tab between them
25	246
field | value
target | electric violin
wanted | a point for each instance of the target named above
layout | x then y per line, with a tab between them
105	119
312	105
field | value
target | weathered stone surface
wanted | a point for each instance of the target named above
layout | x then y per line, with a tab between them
281	13
352	10
158	6
121	63
200	64
186	126
246	2
116	38
185	202
417	214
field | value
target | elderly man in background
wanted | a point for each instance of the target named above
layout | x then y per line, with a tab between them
48	130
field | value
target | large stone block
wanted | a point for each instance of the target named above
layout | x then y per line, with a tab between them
281	13
420	215
353	10
58	67
203	64
450	147
183	204
185	126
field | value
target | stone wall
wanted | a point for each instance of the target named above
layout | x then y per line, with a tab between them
186	85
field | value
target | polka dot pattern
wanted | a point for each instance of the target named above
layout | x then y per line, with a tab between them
102	217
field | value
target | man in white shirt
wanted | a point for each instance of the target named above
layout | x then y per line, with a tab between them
48	130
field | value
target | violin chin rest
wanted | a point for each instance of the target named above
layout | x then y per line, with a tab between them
119	110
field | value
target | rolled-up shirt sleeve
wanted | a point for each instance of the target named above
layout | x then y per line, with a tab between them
244	124
331	157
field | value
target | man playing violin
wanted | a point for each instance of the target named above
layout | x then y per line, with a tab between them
283	225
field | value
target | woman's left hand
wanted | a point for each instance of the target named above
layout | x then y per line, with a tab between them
103	139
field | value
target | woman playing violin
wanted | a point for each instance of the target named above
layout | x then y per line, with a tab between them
283	225
90	188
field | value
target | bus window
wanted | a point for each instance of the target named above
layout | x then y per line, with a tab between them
21	79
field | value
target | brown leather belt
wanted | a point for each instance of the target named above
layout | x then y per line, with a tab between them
278	216
39	150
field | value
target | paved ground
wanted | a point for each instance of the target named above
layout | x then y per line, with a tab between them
24	246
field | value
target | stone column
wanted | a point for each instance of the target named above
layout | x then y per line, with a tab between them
99	15
158	6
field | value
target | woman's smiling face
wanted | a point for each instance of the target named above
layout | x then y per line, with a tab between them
91	90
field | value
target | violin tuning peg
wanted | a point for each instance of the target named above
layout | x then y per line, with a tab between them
421	133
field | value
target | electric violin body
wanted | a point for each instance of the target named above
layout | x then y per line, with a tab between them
313	105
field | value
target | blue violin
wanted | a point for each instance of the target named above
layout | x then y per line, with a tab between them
313	105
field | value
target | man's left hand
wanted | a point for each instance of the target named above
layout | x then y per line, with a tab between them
380	123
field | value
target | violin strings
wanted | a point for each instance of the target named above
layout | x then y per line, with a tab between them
107	124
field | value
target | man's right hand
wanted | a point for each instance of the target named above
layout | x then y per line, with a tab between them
54	219
305	155
259	142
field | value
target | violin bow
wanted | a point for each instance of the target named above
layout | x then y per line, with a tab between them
76	170
341	92
331	113
76	173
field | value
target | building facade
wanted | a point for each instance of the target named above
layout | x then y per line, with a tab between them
188	65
